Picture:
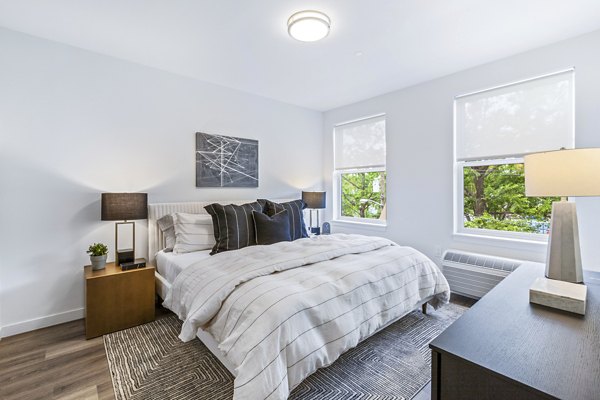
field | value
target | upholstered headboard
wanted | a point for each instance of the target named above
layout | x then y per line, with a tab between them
156	240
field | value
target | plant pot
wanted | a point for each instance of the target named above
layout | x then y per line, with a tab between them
98	262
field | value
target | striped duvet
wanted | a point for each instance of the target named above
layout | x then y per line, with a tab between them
282	311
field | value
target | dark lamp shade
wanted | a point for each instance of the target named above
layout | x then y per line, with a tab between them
314	199
124	206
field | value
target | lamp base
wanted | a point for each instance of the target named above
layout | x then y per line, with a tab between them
125	256
564	257
559	294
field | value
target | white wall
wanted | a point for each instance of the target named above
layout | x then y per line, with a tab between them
74	124
419	148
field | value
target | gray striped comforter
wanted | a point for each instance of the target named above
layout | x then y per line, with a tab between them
282	311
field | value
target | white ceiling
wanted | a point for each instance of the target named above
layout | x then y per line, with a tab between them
244	44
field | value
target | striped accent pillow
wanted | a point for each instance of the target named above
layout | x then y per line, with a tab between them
165	224
295	215
233	225
193	232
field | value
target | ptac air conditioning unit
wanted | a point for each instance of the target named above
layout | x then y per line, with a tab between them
474	275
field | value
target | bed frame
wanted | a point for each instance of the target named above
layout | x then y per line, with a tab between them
156	242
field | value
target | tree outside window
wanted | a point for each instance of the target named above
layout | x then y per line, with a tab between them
494	198
363	195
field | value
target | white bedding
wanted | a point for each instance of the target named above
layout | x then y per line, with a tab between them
282	311
169	264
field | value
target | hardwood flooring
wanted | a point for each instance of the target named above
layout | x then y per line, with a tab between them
59	363
54	363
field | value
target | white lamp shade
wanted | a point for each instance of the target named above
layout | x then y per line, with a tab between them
563	173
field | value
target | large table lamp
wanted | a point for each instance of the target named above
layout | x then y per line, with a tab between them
125	207
564	173
314	201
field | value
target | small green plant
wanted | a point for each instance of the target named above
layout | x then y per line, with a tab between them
97	249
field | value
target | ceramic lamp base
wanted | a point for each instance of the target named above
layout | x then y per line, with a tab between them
559	294
564	257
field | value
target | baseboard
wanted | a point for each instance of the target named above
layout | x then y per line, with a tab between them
42	322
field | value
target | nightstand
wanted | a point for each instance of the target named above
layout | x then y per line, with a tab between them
116	300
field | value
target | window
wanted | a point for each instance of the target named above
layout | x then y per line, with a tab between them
359	175
493	130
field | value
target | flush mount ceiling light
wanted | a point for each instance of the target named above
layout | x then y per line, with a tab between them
308	25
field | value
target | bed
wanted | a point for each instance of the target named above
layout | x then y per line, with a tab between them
274	314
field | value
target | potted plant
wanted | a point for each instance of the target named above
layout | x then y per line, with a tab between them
98	253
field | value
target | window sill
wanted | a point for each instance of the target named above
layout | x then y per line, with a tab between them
498	241
359	224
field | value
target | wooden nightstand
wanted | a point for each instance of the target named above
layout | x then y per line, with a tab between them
116	300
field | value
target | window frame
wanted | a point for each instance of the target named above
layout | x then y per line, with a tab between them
337	198
459	229
337	181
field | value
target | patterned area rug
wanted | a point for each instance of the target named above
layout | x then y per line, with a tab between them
150	362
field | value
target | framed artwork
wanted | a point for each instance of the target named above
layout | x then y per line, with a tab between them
226	161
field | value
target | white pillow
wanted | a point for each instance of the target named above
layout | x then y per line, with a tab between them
165	224
193	232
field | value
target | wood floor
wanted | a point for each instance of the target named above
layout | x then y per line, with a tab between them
59	363
54	363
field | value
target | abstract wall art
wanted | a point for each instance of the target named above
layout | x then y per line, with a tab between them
226	161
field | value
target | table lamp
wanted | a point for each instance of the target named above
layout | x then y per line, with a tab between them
314	201
124	207
562	173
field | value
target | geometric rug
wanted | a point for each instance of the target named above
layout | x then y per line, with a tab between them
150	362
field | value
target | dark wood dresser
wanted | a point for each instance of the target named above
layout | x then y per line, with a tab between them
506	348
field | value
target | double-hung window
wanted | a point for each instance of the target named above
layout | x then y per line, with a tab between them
359	171
493	130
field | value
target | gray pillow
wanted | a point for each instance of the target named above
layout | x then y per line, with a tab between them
193	232
165	224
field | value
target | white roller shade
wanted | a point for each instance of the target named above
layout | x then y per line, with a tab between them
360	144
509	121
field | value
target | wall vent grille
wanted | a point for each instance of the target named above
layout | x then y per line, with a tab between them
474	275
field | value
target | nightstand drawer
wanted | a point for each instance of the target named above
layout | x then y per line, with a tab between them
117	300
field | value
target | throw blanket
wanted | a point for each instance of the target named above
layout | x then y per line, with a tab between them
282	311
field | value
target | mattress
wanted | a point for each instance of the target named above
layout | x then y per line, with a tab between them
169	265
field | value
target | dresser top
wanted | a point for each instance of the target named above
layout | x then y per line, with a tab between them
554	352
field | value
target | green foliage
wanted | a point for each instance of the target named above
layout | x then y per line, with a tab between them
363	194
494	198
97	249
486	221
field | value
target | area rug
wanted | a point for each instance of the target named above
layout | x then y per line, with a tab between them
150	362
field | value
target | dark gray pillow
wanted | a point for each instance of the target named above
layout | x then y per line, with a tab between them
295	215
233	225
269	230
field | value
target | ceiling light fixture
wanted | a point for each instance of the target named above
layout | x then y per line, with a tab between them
308	25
